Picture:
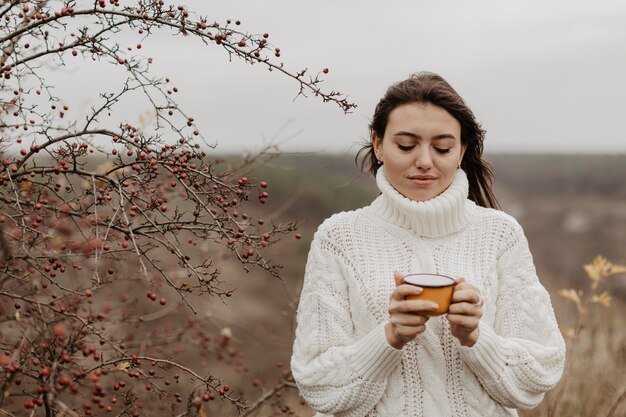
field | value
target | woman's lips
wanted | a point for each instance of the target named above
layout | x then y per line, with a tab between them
423	180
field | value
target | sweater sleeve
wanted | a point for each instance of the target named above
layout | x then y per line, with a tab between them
523	355
337	371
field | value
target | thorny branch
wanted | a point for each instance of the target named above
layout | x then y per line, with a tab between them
94	212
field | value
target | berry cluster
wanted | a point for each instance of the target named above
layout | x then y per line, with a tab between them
95	213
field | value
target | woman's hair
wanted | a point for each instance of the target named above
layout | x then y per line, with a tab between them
427	87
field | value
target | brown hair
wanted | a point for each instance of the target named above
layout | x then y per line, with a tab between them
427	87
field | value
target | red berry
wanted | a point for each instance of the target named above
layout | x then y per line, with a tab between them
88	293
263	184
59	331
298	236
325	70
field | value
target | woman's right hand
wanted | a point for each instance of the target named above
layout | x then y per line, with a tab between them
407	318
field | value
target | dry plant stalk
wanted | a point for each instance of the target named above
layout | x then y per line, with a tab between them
597	271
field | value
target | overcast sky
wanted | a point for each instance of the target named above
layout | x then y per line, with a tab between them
541	76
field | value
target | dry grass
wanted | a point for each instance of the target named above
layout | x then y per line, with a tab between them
597	376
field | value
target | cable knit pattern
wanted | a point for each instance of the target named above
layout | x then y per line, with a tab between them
342	362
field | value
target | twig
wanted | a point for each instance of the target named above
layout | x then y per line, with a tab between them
616	404
267	395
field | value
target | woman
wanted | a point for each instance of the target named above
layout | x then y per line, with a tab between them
361	349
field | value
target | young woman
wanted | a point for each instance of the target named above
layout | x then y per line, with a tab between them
361	348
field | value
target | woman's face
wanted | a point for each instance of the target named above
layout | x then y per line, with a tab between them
421	150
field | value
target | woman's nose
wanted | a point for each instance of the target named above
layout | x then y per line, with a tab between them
423	159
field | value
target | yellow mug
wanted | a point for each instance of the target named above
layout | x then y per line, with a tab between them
435	287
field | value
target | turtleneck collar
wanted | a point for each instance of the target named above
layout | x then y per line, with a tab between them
447	213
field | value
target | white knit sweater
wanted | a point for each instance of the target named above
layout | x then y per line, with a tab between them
342	362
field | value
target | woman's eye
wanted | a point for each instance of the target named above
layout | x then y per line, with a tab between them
442	150
405	148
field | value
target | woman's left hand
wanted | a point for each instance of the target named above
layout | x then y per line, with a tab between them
465	312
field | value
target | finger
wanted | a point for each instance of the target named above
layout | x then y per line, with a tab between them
468	323
460	280
408	333
415	307
465	286
405	290
421	306
401	319
465	296
465	309
398	277
468	295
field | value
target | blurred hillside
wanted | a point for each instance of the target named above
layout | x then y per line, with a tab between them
571	207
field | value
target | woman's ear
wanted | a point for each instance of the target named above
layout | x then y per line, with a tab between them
463	148
377	145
